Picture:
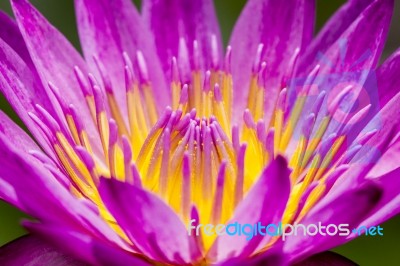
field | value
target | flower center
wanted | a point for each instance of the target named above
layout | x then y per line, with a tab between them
191	155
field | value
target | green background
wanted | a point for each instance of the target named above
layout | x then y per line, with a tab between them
364	250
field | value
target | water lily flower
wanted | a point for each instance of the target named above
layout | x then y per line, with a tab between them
157	130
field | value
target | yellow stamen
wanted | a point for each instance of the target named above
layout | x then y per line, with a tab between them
293	119
150	104
314	142
73	129
116	113
329	156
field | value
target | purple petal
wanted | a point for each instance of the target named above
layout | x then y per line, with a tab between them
54	58
349	60
389	161
260	205
190	20
30	250
282	26
32	186
16	135
83	246
333	209
134	209
388	78
389	205
8	194
11	35
30	181
22	89
109	28
357	46
386	123
335	27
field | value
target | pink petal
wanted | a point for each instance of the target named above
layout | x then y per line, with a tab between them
388	78
83	246
19	138
135	210
335	27
333	209
282	26
190	20
22	88
11	35
262	204
30	250
107	29
54	58
389	205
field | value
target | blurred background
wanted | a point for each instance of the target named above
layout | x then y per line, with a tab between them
364	250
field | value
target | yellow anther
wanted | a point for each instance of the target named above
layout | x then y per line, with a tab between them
82	186
207	100
293	119
278	124
259	105
73	129
314	196
104	131
117	167
297	157
221	115
137	122
85	141
116	113
195	91
150	104
299	189
176	91
313	143
92	106
329	156
74	158
252	93
227	90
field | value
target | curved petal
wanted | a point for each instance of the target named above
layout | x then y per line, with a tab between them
333	209
260	205
389	205
30	250
335	27
21	141
34	186
54	58
31	181
134	209
22	89
10	34
282	27
109	28
8	194
384	142
16	135
349	61
353	44
388	161
83	246
388	78
191	20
